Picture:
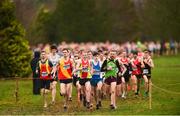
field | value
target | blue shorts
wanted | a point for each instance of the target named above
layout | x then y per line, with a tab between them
94	82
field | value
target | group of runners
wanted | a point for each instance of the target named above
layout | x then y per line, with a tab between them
95	75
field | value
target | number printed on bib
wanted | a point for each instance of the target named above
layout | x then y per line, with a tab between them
97	72
145	71
66	67
44	74
84	69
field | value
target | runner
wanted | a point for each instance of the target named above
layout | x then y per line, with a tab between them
76	77
44	68
96	80
148	64
105	89
54	58
110	67
137	64
65	69
84	66
121	80
126	62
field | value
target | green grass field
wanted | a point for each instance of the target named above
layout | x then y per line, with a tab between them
166	75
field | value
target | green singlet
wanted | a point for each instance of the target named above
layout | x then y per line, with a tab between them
113	72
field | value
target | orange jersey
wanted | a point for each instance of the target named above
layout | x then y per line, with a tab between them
65	69
45	70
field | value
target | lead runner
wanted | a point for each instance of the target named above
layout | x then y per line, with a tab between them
65	70
110	67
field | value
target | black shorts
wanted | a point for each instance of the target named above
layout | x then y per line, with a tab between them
75	80
109	80
83	81
127	77
119	81
139	76
45	84
66	81
54	79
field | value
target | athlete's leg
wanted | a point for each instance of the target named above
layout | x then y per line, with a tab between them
138	83
146	82
70	92
88	92
134	83
113	93
104	88
53	88
93	94
78	87
44	97
45	90
123	87
69	89
98	93
149	84
63	93
118	90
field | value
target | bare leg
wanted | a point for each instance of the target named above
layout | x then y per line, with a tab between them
78	87
70	93
64	93
146	82
98	94
134	83
118	90
123	87
53	87
113	95
88	92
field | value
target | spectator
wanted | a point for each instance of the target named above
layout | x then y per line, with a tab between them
36	81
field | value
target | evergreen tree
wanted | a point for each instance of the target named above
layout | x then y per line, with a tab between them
75	19
14	49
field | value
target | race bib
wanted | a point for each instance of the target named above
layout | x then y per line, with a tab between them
84	69
44	74
96	72
66	67
145	71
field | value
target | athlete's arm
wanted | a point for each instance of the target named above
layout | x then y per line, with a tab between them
142	63
78	66
151	63
104	66
57	66
124	68
53	71
73	66
50	63
118	64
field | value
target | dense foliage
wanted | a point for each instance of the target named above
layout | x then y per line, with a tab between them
14	49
